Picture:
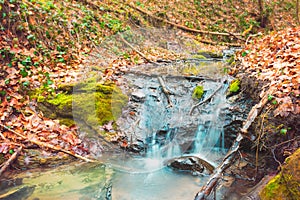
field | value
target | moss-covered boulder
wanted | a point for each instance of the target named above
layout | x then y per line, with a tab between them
87	102
285	185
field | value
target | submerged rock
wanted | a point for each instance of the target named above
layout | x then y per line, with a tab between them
192	164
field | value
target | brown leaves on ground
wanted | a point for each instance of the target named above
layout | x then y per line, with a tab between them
276	59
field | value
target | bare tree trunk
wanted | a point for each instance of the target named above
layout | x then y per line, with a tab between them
297	12
263	17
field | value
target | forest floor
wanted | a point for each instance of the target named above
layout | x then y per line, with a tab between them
45	43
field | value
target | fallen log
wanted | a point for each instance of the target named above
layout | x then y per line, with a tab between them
229	158
184	27
10	160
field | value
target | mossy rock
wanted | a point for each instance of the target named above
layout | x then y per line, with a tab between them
285	185
209	54
234	86
198	92
87	102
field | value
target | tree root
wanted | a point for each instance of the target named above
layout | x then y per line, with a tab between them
229	158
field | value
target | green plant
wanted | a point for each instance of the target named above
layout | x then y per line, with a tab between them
198	92
234	86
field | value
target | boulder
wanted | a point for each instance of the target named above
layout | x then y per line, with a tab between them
192	164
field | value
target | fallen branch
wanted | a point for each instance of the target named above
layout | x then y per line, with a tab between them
10	160
166	91
218	43
50	146
228	159
133	48
181	26
205	100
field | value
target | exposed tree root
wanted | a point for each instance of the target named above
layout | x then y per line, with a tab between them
229	158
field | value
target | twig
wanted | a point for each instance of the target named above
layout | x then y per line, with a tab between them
42	144
228	159
9	129
132	47
295	138
261	134
2	136
180	26
207	99
165	90
10	160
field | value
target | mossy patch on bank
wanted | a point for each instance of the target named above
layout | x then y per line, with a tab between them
285	185
88	101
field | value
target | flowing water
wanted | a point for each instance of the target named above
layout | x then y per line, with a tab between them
165	132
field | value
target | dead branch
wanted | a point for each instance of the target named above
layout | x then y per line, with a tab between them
218	43
10	160
180	26
50	146
297	12
133	48
229	158
2	136
205	100
165	90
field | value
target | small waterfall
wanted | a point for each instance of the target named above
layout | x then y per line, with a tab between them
210	134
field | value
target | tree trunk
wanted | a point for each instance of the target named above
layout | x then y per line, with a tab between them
297	12
262	17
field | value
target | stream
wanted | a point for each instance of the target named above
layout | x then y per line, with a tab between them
158	135
172	149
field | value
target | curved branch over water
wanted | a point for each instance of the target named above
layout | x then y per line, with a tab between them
229	158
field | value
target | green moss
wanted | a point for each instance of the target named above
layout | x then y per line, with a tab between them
38	94
198	92
191	70
286	184
199	56
66	121
234	86
271	189
89	102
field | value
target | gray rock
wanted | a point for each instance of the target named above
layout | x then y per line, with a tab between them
192	164
138	96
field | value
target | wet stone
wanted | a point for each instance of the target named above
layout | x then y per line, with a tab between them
138	96
137	146
187	163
